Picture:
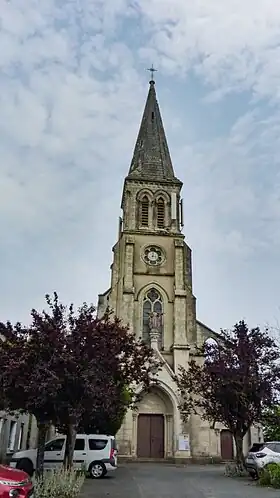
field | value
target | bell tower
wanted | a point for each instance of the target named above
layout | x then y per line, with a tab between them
151	291
151	185
151	270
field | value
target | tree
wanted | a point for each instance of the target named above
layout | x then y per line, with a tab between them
232	381
102	422
29	380
271	423
68	364
104	358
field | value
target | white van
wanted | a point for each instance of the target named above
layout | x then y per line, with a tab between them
94	452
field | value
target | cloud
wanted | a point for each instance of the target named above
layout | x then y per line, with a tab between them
232	45
72	90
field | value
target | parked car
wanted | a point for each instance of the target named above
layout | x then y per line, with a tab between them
260	455
95	452
15	483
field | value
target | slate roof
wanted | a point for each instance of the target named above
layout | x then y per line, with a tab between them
151	158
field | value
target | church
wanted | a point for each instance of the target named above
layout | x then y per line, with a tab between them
151	290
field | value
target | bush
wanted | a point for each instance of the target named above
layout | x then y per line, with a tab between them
264	479
275	476
270	476
82	471
60	483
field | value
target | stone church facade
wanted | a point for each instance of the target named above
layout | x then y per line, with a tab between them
151	290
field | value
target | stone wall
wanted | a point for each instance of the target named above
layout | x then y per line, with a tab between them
16	432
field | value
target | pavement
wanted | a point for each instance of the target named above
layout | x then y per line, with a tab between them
149	480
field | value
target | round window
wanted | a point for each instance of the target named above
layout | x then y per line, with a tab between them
153	255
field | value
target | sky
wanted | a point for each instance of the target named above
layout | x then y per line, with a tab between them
73	84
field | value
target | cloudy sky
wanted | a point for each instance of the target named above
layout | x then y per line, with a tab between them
73	83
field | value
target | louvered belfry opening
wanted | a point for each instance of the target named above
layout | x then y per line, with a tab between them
145	212
160	213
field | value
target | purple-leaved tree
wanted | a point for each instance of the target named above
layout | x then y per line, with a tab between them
68	365
232	381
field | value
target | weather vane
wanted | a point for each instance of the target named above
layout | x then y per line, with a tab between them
152	71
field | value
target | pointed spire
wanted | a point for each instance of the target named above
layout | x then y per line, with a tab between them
151	158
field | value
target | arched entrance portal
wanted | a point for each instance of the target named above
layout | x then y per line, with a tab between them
155	425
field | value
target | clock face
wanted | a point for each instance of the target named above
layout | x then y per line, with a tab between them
153	256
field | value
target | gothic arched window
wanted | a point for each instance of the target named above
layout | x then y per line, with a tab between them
144	211
160	213
152	304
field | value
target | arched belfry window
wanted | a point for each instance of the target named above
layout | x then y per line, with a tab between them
144	211
152	304
160	213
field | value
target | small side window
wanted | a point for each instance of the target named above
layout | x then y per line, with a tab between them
20	437
271	446
12	435
79	445
55	445
97	444
276	448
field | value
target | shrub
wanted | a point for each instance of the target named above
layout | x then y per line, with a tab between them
275	476
82	471
60	483
270	476
264	479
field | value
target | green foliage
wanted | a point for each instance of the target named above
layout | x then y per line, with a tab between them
264	479
275	476
270	476
271	423
59	484
107	423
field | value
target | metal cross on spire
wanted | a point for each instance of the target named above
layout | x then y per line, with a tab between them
152	71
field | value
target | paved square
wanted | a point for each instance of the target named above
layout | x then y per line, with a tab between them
169	481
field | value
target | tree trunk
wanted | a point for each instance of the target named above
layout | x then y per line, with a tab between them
70	445
240	461
42	432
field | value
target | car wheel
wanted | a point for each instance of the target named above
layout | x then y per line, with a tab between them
253	475
97	470
26	465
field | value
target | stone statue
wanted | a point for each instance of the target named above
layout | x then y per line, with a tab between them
155	321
